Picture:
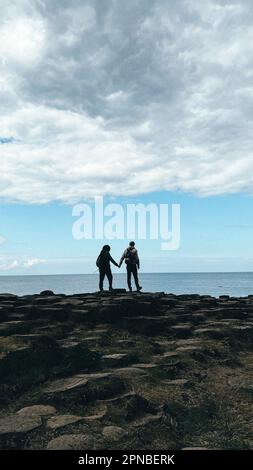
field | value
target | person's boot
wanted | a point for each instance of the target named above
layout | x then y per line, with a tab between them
111	289
130	289
139	288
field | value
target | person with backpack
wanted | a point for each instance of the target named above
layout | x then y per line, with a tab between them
132	261
103	263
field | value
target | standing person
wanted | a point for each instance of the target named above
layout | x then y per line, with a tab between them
132	261
103	263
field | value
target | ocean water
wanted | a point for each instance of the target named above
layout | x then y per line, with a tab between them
215	284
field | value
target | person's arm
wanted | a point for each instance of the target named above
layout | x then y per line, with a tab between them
112	260
122	257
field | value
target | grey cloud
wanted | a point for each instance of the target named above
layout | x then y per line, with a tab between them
161	91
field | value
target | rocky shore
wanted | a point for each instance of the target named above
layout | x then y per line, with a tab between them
126	371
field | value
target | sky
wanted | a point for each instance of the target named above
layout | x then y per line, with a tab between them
139	102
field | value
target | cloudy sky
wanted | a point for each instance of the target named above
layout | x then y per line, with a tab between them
135	99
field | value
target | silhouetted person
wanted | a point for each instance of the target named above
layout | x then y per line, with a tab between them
103	263
132	261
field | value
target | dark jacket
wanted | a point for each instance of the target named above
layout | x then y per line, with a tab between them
104	259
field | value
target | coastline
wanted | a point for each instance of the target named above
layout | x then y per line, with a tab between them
148	370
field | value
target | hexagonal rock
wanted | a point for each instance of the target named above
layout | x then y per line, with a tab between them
189	348
126	342
114	433
115	356
177	382
60	421
7	296
83	387
37	410
182	330
188	342
77	381
164	356
14	424
215	333
97	410
130	372
144	365
129	407
97	417
71	442
110	360
147	420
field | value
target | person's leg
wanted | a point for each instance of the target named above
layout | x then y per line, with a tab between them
101	278
109	277
129	277
135	274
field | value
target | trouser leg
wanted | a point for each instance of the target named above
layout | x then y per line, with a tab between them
109	277
135	274
101	278
129	272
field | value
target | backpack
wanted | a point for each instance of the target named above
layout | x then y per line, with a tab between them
130	257
99	261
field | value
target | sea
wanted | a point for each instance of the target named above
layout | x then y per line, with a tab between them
215	284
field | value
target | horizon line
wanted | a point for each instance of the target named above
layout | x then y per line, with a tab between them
123	274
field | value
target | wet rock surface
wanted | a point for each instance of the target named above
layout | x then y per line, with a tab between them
125	371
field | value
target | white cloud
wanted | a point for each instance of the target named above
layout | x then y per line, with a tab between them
22	41
125	98
29	263
8	262
9	265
